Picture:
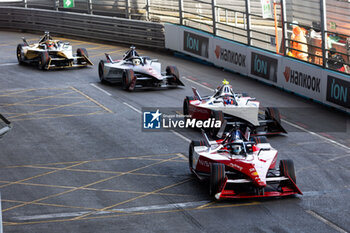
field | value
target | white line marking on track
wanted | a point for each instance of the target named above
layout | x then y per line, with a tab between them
287	122
9	64
317	135
322	219
132	107
181	136
199	84
99	88
125	210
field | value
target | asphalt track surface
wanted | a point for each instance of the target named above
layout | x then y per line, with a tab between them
78	161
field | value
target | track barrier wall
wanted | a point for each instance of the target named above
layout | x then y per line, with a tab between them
304	79
307	80
104	28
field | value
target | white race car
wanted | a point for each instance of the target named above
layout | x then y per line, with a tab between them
236	109
137	71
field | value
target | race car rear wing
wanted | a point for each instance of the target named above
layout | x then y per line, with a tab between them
196	94
109	58
5	125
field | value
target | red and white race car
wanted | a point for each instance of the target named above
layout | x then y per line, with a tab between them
236	109
242	167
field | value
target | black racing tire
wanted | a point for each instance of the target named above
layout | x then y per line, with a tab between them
128	76
259	139
190	153
81	52
20	54
217	176
190	156
101	73
44	61
172	70
287	169
186	104
273	114
216	115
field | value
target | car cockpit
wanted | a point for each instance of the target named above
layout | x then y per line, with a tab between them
225	95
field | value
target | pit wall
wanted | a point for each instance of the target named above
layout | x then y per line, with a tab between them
304	79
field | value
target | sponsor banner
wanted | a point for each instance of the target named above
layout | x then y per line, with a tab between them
264	66
230	55
337	90
189	41
302	78
196	44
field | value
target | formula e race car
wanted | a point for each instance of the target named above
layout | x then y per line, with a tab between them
5	125
49	53
241	167
137	71
235	108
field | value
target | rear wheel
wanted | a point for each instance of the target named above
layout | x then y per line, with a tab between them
172	70
20	54
82	52
217	176
273	114
287	169
216	115
186	105
101	73
191	151
44	61
128	77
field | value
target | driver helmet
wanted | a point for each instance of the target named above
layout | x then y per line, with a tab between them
227	90
50	44
136	61
229	101
236	149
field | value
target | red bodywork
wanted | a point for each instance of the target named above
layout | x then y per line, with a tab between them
247	168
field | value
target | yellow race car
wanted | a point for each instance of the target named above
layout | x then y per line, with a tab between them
49	54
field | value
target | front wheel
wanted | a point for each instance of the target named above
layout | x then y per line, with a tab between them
128	79
44	61
217	176
20	54
173	71
101	72
287	169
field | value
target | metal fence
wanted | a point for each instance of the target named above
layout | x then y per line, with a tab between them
325	25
